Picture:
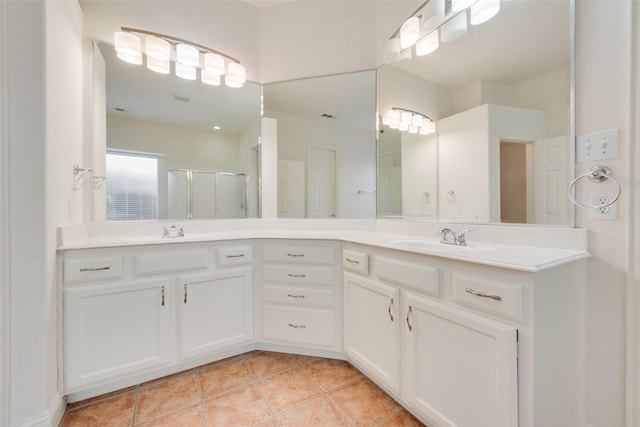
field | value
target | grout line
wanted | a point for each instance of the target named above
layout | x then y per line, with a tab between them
135	405
258	387
204	414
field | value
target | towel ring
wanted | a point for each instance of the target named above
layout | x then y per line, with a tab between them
596	174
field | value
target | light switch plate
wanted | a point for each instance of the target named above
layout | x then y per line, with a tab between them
601	145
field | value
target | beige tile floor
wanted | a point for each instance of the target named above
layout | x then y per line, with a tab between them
255	389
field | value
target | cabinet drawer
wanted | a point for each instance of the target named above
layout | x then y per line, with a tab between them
487	295
170	262
298	274
355	261
313	327
91	270
299	254
419	277
235	255
299	296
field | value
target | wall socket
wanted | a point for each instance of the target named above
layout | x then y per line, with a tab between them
606	212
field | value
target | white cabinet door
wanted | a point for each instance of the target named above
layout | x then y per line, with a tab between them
372	332
216	312
112	330
460	369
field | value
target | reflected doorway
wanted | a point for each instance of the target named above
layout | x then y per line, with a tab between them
515	183
322	181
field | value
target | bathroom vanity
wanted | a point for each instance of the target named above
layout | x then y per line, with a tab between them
484	335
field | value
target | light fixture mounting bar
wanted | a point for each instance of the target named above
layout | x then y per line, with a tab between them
175	40
418	12
414	112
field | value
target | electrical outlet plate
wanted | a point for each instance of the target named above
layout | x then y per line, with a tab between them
607	212
601	145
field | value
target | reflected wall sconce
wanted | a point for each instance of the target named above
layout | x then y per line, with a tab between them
409	121
436	21
160	50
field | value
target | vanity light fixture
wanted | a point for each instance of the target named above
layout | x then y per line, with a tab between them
161	49
409	121
483	10
433	22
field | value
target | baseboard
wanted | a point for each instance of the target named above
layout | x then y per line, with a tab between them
52	417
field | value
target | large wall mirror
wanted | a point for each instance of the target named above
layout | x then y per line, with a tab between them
501	99
174	148
326	145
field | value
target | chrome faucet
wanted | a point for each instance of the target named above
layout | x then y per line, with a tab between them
462	237
449	237
172	232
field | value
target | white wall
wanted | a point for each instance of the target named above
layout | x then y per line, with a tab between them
602	102
419	175
398	88
356	157
184	148
44	140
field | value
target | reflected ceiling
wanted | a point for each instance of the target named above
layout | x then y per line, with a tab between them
520	42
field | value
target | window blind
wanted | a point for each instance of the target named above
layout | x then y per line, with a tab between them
132	186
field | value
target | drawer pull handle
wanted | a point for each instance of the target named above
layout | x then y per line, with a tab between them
291	325
390	305
295	255
297	275
83	270
235	256
295	296
409	323
162	299
481	295
353	261
185	293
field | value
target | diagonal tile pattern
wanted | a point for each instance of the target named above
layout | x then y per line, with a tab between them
263	389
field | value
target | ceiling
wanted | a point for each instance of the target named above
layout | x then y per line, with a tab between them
525	39
349	99
145	95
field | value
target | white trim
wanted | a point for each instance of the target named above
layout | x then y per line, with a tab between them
51	418
5	289
632	383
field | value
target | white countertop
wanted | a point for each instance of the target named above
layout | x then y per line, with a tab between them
517	257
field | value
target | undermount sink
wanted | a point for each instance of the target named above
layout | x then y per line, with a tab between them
436	245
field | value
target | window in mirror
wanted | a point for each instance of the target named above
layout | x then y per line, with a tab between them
194	126
132	186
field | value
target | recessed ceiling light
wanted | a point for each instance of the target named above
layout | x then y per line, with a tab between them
217	127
